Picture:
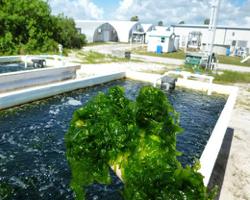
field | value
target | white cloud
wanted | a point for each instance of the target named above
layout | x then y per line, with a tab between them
193	11
78	9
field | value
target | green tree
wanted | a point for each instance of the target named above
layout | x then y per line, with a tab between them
207	21
28	25
181	22
66	33
160	23
134	19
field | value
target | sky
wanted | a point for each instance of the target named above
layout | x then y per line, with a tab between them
232	12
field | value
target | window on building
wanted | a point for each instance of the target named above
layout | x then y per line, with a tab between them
162	39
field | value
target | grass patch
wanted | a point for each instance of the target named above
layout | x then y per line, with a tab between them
232	77
232	60
222	77
177	55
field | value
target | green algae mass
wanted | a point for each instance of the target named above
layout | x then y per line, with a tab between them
136	137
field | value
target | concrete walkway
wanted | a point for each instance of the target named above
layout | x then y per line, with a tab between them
236	183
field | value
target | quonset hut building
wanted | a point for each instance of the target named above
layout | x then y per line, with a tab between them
111	31
97	31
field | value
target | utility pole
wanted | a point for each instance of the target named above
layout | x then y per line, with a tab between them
215	6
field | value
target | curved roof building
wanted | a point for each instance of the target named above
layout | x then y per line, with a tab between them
148	27
97	31
116	31
126	29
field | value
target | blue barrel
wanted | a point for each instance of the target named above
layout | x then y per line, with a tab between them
159	49
228	52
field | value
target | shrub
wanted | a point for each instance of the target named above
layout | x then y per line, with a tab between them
28	26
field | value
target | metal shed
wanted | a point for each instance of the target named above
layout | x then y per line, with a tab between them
165	40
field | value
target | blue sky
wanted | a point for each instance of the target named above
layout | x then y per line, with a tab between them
107	5
233	12
239	2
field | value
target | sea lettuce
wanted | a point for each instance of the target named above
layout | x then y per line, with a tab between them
136	137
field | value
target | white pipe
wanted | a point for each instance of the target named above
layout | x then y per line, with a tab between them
212	26
25	61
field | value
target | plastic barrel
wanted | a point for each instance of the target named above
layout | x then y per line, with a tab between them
159	49
228	52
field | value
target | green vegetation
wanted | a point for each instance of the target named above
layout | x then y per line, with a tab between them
232	77
27	26
160	23
232	60
134	19
207	21
137	137
5	191
177	55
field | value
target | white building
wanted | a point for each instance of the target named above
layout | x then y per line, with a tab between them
165	40
147	29
161	28
115	31
234	38
128	31
97	31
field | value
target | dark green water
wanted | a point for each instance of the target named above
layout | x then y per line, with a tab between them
32	151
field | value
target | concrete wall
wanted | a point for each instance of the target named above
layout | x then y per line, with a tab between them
17	80
51	60
213	146
211	151
9	59
15	98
